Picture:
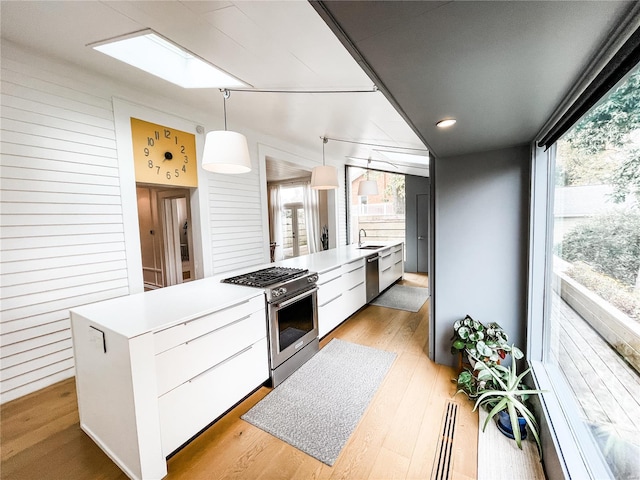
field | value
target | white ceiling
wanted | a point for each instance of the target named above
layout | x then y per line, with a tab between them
500	67
267	44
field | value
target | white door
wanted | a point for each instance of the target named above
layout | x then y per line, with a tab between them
295	231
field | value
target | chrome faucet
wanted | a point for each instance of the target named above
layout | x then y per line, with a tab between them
362	230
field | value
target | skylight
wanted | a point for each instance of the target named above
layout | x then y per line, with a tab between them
156	55
404	158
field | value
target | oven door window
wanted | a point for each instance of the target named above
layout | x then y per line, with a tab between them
295	321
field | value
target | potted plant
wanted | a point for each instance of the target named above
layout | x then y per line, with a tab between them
504	397
489	344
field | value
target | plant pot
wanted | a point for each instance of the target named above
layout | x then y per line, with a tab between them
503	423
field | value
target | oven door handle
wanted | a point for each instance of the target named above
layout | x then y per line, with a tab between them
296	298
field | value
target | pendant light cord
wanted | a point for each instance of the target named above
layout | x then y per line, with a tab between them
225	94
324	141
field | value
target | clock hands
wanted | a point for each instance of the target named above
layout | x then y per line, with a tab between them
167	156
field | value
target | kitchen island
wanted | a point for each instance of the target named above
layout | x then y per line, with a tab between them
153	369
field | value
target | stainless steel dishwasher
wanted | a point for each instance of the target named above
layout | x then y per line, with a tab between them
373	285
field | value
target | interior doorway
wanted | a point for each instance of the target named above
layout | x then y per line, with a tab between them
166	238
422	220
295	230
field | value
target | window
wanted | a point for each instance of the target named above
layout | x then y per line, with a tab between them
381	216
592	325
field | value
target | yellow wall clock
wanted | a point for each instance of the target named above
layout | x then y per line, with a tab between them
163	155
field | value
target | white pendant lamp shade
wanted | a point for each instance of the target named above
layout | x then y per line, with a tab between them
226	152
324	177
367	187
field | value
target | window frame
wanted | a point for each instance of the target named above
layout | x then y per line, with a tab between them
577	454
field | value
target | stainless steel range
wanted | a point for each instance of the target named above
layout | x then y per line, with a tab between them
292	316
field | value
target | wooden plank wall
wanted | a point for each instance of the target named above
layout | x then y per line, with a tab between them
61	237
236	221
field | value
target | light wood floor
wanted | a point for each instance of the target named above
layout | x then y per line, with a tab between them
396	438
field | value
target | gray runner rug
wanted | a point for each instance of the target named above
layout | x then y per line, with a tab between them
317	408
402	297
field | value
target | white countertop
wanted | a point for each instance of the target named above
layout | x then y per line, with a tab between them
141	313
328	259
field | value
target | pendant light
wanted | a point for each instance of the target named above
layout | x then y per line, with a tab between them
226	151
326	176
367	187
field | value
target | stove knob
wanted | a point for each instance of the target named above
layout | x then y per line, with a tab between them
312	278
280	291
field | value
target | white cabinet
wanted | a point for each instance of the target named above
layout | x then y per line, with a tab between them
391	266
397	257
385	266
330	300
185	410
142	395
341	292
355	290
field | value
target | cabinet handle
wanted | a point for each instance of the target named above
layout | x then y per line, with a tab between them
399	261
352	288
328	302
217	329
385	256
387	268
329	281
359	268
215	311
226	360
331	269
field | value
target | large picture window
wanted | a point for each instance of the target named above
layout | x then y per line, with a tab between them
381	216
592	325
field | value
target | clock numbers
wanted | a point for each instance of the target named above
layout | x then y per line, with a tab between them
155	148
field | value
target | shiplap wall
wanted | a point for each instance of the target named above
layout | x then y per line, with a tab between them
235	210
61	238
62	234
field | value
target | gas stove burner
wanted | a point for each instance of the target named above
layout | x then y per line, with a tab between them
266	276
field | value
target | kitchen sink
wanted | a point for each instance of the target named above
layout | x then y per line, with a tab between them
370	247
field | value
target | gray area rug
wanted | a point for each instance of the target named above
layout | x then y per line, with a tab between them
317	408
402	297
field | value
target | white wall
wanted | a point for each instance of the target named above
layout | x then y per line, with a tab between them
481	225
69	226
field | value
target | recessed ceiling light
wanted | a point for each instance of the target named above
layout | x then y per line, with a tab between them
149	51
446	123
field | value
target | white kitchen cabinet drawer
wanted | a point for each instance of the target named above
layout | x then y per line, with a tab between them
386	277
330	313
328	289
329	275
183	332
354	298
189	408
386	259
177	365
353	273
